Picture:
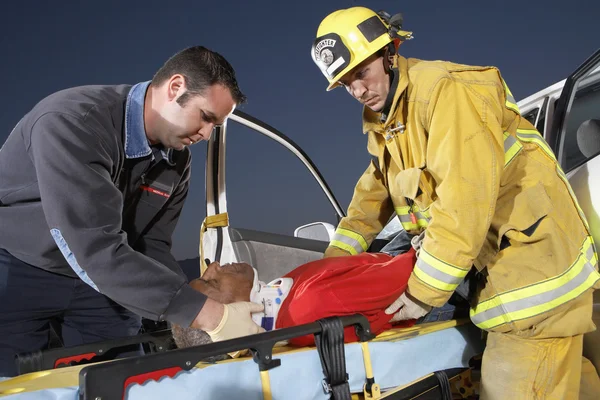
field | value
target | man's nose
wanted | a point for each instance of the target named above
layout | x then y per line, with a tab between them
357	89
207	129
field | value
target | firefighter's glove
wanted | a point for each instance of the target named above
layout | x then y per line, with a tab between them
407	307
417	242
237	321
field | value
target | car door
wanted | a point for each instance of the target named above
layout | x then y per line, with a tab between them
269	188
575	139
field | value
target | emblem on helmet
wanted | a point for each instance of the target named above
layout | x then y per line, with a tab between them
323	52
326	56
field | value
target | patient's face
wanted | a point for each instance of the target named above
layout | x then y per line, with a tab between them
227	284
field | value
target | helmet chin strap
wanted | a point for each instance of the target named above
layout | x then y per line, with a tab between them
398	36
394	76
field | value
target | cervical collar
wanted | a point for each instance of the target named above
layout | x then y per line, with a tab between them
271	295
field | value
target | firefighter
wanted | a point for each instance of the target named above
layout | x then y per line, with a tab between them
453	158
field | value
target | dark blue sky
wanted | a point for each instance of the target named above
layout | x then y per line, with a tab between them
47	46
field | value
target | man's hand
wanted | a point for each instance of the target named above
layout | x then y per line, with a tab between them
407	307
209	316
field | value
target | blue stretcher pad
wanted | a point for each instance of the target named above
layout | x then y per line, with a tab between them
395	362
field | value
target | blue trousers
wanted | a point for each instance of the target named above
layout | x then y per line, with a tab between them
31	297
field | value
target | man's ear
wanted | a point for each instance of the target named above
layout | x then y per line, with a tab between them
175	86
388	59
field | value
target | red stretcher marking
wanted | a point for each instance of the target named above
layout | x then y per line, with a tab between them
154	375
67	360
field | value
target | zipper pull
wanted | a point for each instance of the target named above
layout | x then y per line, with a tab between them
413	217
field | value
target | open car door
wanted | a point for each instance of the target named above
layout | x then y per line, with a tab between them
271	253
575	139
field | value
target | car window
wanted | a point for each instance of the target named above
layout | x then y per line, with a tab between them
581	138
268	188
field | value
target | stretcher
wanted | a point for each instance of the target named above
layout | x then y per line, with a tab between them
395	364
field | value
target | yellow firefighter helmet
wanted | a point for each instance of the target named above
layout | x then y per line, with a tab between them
347	37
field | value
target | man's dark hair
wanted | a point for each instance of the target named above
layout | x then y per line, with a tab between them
201	68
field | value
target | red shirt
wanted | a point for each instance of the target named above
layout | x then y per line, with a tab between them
366	284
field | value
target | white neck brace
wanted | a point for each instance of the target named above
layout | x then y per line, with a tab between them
271	295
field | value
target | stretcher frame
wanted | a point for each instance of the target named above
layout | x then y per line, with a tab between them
43	360
111	379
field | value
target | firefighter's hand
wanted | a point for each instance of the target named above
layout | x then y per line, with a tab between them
407	307
236	321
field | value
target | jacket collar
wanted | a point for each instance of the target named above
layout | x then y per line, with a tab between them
136	141
371	119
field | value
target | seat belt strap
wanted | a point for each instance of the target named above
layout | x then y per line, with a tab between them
211	221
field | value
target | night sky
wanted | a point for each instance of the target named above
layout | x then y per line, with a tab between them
48	46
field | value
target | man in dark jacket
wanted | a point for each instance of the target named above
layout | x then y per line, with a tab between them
92	182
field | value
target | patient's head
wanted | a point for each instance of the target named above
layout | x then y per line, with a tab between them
229	283
226	284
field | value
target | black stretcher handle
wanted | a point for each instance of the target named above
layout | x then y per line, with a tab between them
67	356
109	381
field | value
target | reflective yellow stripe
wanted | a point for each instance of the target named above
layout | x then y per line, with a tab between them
510	100
422	217
349	241
582	216
512	147
535	299
437	273
533	136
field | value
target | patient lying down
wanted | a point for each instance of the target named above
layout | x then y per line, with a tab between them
367	284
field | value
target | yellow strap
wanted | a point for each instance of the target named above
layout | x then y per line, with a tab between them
212	221
266	385
375	389
367	359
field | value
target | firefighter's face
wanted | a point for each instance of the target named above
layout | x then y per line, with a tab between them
183	118
368	83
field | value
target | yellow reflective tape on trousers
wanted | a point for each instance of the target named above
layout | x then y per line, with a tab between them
538	298
510	100
422	218
437	273
512	147
349	241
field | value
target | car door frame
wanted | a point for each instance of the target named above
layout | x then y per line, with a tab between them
554	138
217	241
563	104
